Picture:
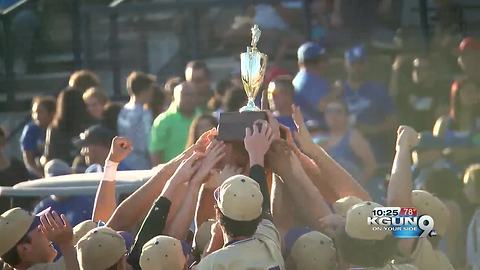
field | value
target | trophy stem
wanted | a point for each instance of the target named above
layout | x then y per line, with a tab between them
250	106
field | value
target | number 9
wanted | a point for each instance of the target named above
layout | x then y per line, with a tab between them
426	223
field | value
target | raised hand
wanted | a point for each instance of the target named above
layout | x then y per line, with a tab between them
121	147
205	139
214	153
331	223
187	168
407	137
274	125
277	157
257	142
57	229
303	137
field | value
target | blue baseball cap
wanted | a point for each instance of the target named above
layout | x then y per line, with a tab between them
310	51
354	54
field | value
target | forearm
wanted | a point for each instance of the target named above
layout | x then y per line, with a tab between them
29	161
257	173
205	206
281	210
184	217
336	177
105	199
136	206
304	192
69	257
153	225
400	184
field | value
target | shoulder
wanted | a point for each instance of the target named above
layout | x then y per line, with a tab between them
58	265
164	117
267	230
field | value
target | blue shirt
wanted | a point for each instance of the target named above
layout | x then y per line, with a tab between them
370	104
135	122
309	90
33	139
75	208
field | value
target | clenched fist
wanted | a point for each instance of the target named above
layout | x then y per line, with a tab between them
121	147
407	137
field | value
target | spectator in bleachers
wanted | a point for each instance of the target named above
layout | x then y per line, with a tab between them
95	100
157	104
198	74
12	170
110	115
200	125
170	129
460	130
83	79
71	118
371	108
424	98
310	86
32	140
346	145
95	146
170	84
469	58
280	97
135	121
219	93
234	99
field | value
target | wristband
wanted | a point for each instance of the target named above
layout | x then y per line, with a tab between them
110	171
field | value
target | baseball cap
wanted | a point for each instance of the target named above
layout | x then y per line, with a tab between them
82	228
356	225
310	51
96	134
100	248
354	54
428	204
469	44
163	252
15	224
239	198
313	250
203	235
56	167
342	205
471	183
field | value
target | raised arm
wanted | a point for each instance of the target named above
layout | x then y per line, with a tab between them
303	192
57	229
333	175
133	209
400	185
156	220
257	142
105	200
182	220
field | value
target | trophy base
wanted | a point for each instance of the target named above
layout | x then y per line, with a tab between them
232	125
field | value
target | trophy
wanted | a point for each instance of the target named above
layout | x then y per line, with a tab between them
252	67
253	64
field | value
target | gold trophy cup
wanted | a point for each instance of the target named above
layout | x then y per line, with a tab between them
253	64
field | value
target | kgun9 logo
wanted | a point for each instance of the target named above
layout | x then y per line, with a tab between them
402	222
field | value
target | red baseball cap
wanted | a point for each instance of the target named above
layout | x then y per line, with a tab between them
469	44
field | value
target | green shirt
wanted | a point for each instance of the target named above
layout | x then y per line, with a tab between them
169	134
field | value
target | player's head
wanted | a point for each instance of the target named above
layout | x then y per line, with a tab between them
22	243
164	252
102	248
312	56
239	206
358	244
309	250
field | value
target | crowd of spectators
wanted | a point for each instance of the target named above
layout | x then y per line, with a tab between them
296	193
